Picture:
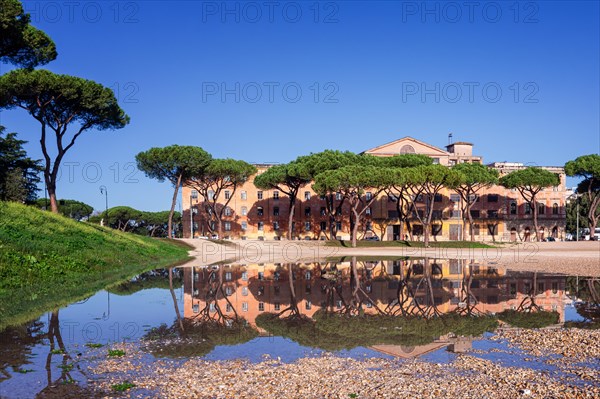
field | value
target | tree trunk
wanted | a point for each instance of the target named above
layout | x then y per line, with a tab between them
594	201
354	227
219	227
173	203
535	221
175	305
290	234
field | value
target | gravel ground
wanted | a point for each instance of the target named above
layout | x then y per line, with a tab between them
330	376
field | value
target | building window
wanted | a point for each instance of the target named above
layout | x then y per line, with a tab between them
541	209
306	195
261	306
527	209
276	195
307	275
259	195
261	226
437	198
244	276
307	226
244	226
338	226
244	195
227	226
475	213
368	196
338	196
212	308
245	291
228	291
277	306
228	308
196	308
275	226
307	305
228	276
436	161
368	211
227	211
227	194
323	226
555	209
492	214
456	213
513	208
275	211
259	211
307	211
323	211
194	194
244	306
455	198
244	211
492	197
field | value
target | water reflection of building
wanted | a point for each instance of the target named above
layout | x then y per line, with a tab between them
226	292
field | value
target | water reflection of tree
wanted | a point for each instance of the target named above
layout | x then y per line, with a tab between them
15	352
528	303
333	289
467	300
213	291
407	301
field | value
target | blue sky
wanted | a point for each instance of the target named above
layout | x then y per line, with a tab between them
268	81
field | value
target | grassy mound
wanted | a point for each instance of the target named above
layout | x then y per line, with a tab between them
47	260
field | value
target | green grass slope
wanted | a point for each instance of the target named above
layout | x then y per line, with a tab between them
47	260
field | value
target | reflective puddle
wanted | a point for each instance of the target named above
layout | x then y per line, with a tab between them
431	309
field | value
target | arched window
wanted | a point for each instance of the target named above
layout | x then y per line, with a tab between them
555	209
513	208
407	149
541	208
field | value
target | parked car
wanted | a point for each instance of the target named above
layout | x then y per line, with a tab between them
371	238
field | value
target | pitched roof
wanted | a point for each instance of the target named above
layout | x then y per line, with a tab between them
407	138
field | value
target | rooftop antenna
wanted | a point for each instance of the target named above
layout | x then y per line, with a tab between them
449	138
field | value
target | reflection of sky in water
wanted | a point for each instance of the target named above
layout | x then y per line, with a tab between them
90	321
283	348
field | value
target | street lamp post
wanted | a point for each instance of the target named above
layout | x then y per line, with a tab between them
104	190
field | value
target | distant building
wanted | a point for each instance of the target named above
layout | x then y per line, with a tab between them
499	214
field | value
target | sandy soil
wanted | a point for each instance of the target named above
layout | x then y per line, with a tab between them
573	258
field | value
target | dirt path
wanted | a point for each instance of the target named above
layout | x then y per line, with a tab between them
574	258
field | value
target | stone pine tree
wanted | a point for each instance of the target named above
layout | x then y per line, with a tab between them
329	160
21	44
428	181
219	176
472	179
351	182
176	164
289	179
588	167
60	102
18	172
529	182
400	190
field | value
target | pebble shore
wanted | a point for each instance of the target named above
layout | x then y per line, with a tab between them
576	354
